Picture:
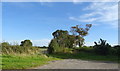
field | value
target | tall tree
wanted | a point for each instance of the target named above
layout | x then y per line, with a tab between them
70	41
59	42
80	32
61	37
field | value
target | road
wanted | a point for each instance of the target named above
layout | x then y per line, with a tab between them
79	64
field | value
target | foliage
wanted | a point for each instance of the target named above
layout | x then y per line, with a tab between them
62	40
61	37
86	49
85	56
59	42
26	43
102	47
113	51
79	41
17	49
116	50
81	33
53	44
5	44
71	41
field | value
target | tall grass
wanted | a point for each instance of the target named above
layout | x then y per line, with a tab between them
16	49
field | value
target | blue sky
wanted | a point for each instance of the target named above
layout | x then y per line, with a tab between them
36	21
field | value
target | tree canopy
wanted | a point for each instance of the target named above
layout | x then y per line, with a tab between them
62	39
26	43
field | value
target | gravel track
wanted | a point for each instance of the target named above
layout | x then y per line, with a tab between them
78	64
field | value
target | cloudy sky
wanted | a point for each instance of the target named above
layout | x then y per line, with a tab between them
37	20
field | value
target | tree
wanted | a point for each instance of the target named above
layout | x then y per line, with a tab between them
79	41
61	37
54	46
60	41
26	43
80	32
51	47
70	41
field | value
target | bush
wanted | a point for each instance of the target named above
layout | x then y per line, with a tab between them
102	48
51	47
54	47
113	51
5	44
86	49
26	43
117	48
68	50
16	49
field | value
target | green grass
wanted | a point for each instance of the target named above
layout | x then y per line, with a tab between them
43	49
24	61
86	56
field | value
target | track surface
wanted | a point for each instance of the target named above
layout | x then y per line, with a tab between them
78	64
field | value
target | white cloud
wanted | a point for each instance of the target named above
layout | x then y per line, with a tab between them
13	42
88	20
77	2
102	12
82	20
41	42
89	43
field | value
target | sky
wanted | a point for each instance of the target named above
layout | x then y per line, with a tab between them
38	20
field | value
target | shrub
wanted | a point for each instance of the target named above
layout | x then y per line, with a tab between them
113	51
16	49
102	47
117	48
5	44
51	47
86	49
54	47
68	50
26	43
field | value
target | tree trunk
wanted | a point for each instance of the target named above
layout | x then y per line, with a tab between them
79	44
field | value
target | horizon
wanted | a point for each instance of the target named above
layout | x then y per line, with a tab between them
37	21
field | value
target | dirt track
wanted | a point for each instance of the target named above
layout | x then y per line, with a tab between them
78	64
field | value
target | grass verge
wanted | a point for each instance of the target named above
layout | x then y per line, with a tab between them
30	61
24	61
85	56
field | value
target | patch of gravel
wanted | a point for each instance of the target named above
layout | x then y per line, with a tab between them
78	64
